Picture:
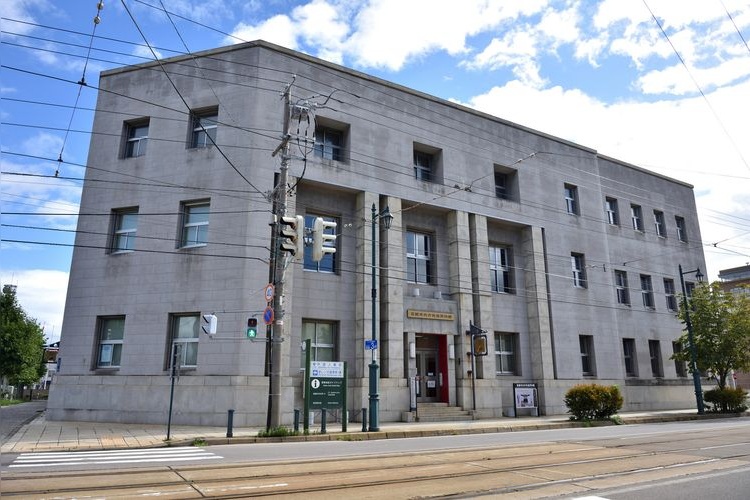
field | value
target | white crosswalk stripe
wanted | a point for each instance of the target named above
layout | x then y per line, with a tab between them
134	456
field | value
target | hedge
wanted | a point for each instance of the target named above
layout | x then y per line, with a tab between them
593	402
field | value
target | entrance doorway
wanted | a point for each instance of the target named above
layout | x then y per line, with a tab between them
431	375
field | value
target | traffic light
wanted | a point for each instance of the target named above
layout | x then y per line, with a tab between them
211	322
324	241
252	328
293	234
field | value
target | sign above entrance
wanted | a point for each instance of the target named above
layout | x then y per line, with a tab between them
416	314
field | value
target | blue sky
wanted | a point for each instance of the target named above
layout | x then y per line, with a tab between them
599	73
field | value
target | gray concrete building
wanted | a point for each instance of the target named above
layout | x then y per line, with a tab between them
567	258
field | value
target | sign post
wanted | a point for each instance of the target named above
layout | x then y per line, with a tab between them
525	397
325	387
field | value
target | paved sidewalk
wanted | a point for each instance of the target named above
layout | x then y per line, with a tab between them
42	435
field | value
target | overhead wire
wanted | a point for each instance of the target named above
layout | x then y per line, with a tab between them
81	83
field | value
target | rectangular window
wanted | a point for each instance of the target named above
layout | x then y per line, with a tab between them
647	291
185	333
501	275
111	332
628	352
194	224
659	224
204	129
137	139
610	208
324	338
689	289
621	285
329	143
586	342
578	265
636	216
506	182
669	294
423	166
506	345
124	228
501	185
654	351
679	223
571	199
328	263
680	367
418	257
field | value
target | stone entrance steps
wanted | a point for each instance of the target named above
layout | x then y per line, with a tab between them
441	412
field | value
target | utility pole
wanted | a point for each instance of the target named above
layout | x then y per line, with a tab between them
278	272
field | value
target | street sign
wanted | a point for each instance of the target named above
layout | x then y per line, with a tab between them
371	345
268	315
269	292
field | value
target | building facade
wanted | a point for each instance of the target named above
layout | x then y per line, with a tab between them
567	258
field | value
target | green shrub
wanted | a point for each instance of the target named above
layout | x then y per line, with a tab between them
280	431
726	400
593	402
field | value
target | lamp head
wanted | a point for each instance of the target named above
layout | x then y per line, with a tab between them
699	275
387	217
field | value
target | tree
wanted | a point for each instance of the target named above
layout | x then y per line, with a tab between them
721	331
21	342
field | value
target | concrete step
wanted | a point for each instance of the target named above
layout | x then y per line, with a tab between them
441	412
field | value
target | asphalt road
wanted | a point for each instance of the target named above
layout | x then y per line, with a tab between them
13	417
680	460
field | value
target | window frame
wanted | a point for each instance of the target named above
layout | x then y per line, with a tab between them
119	233
413	276
330	262
326	149
200	130
630	357
654	353
319	346
570	192
681	229
578	268
588	358
680	367
186	225
612	211
647	293
136	145
622	291
501	268
636	217
424	172
670	294
510	367
116	344
175	339
660	224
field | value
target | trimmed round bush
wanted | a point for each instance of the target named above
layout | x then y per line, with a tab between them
593	401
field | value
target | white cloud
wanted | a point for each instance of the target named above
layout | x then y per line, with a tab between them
278	29
320	25
676	80
145	52
41	293
389	33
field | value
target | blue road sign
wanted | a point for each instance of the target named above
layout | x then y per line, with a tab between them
371	345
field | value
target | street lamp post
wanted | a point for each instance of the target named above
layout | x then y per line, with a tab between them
387	218
693	354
